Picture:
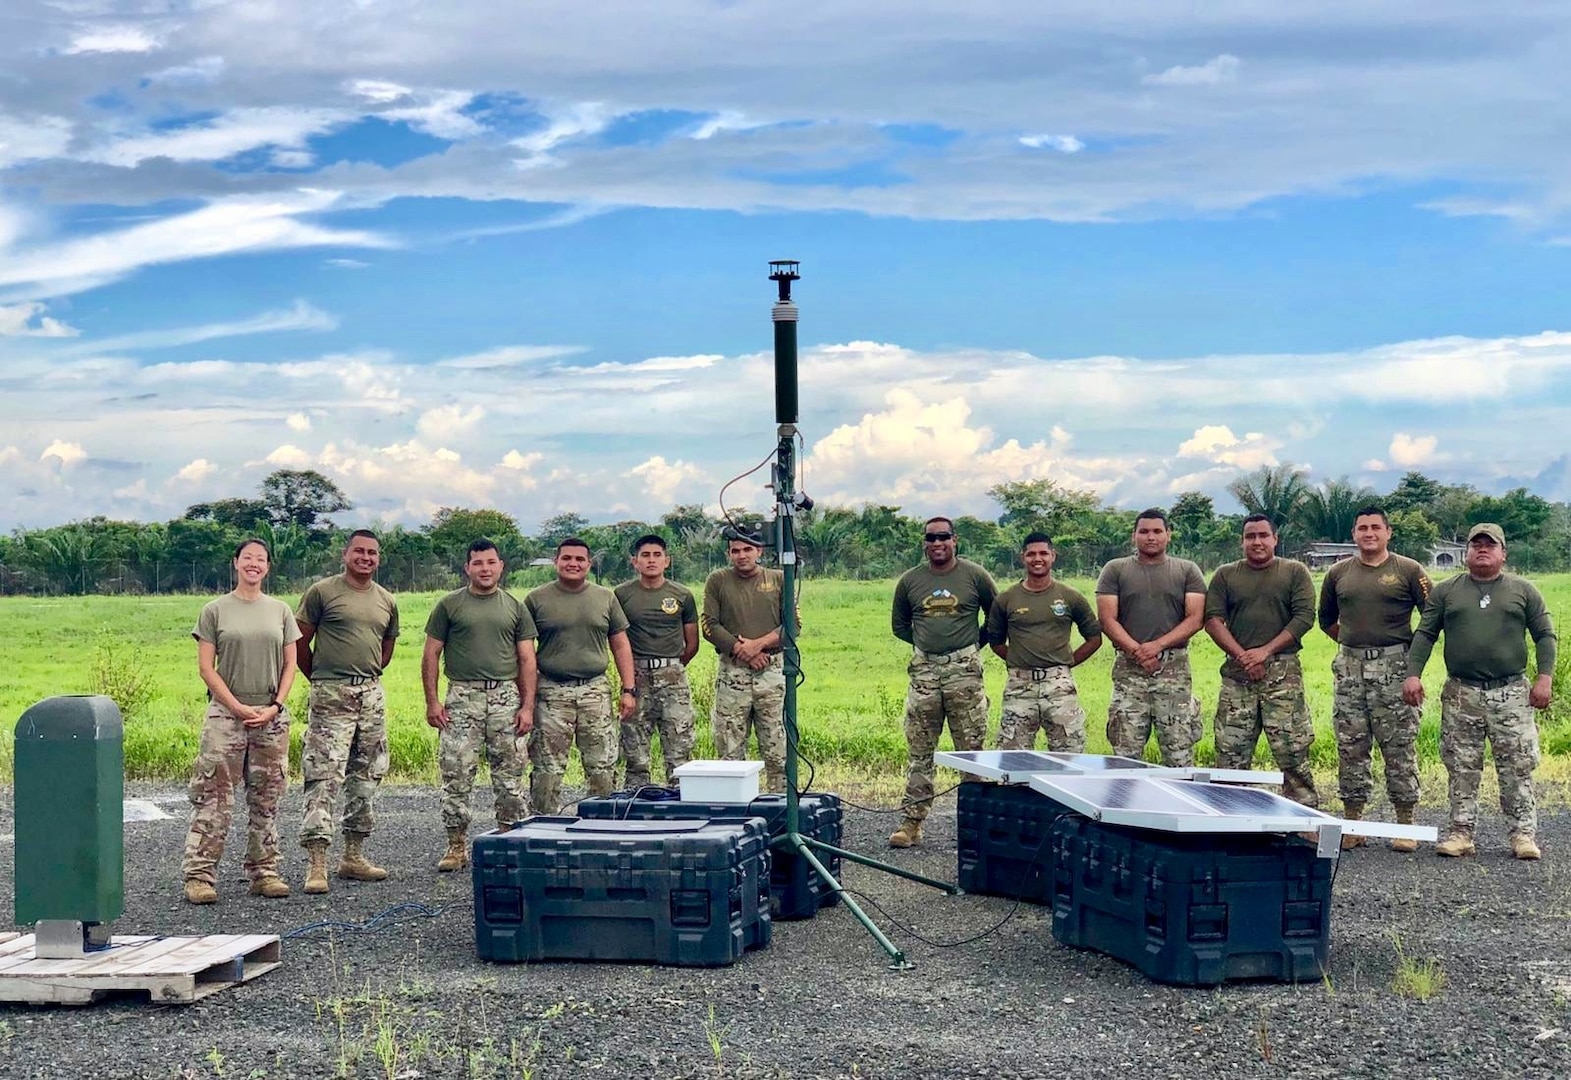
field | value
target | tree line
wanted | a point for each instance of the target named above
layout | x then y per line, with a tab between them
293	513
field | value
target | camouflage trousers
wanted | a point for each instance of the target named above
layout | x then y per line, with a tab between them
745	699
1368	709
567	713
229	753
1164	701
1274	705
1045	699
480	719
944	687
1468	716
345	750
665	703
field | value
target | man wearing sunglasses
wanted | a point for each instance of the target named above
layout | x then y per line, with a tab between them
939	607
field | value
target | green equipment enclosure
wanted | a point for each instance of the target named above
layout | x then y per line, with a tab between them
69	793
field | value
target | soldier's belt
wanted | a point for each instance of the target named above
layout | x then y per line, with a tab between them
948	657
351	680
482	684
1398	649
1038	674
734	662
654	663
1491	684
552	680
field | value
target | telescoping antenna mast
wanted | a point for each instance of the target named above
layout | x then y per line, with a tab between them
783	272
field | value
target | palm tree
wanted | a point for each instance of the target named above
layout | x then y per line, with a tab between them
1328	512
1277	491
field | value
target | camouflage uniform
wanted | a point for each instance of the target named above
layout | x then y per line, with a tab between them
1162	700
479	717
345	748
1276	706
1042	698
1469	714
1368	707
665	701
569	711
942	684
743	698
231	752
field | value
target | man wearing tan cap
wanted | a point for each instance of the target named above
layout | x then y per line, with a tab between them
1486	615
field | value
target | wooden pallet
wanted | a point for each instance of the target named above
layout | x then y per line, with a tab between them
169	970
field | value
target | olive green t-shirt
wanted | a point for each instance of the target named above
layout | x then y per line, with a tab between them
351	625
737	606
248	638
939	613
656	618
1035	625
1374	605
574	629
1257	605
1150	595
1486	624
480	633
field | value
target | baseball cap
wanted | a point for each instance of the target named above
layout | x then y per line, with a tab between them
737	532
1485	528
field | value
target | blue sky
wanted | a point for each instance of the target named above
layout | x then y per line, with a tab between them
516	256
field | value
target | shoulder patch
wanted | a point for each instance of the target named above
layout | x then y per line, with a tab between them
670	606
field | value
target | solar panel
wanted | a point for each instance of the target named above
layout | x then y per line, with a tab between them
1018	766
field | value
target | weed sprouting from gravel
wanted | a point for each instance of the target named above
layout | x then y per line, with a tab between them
1415	978
715	1033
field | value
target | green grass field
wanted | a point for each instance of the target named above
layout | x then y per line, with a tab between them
849	708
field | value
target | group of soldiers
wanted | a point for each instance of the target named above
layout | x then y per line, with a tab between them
526	682
1257	610
527	679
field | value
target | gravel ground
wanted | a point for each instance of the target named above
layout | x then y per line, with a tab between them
819	1002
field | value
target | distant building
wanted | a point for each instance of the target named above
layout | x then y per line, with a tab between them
1446	554
1323	553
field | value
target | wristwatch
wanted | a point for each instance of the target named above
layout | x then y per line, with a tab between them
275	703
631	692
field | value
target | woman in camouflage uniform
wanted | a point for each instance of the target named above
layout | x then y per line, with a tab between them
245	647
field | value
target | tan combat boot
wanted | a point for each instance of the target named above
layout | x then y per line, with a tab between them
1524	847
354	866
909	833
1456	845
199	892
456	857
269	885
1353	811
316	870
1404	816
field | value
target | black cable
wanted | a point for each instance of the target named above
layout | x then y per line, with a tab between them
908	804
739	476
406	911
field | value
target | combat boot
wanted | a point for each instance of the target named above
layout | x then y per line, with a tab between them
354	865
1404	816
1523	846
316	871
269	885
456	857
1353	811
199	892
1456	845
909	833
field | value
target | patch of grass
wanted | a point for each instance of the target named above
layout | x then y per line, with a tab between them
1419	979
850	707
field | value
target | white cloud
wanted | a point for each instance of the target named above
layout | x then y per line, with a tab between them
346	264
723	122
1411	451
112	39
574	122
1064	144
300	316
521	462
10	455
196	471
66	453
17	320
1218	69
509	356
292	159
199	72
31	138
289	456
223	137
1375	465
222	227
298	422
663	480
1216	442
449	421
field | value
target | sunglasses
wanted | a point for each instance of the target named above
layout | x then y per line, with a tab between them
933	538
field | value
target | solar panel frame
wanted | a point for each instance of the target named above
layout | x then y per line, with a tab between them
1187	810
999	765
